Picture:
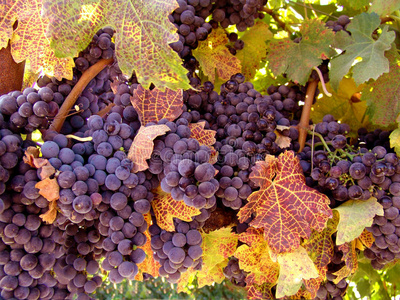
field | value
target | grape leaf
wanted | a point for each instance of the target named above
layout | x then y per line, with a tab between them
320	249
49	189
298	59
28	41
373	63
295	267
149	265
143	145
218	246
395	138
204	137
254	258
285	206
50	216
355	215
213	55
366	239
384	7
143	33
350	259
342	105
166	209
254	50
382	96
356	4
154	105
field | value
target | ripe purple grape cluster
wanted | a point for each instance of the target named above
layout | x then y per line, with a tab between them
177	251
340	24
24	112
233	272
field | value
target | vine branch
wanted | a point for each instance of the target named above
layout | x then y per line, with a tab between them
86	77
277	19
305	114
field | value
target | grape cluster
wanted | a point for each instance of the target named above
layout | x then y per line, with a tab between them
233	272
177	251
24	112
241	13
378	137
329	289
340	24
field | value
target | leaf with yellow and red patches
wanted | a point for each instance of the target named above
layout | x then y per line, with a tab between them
285	206
254	258
218	246
154	105
143	145
149	265
29	41
166	209
204	136
366	238
213	56
350	259
256	291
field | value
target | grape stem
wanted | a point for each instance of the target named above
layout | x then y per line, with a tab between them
277	19
321	78
313	133
86	77
305	114
105	110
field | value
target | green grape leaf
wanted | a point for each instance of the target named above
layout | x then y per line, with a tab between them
362	45
343	105
383	96
355	4
298	59
143	33
28	41
384	7
395	138
355	215
213	55
255	49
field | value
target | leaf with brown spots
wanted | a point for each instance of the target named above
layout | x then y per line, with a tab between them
154	105
213	56
149	265
366	239
143	145
285	206
50	216
49	189
28	40
142	38
254	257
166	209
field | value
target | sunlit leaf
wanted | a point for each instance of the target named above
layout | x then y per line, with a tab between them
285	206
154	105
143	145
166	209
143	32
